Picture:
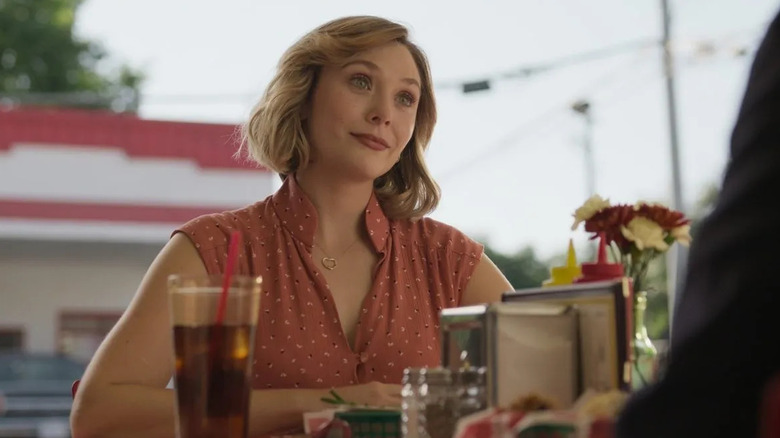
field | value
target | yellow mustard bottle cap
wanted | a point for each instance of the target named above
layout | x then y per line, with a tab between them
560	275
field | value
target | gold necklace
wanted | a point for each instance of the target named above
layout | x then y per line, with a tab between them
330	263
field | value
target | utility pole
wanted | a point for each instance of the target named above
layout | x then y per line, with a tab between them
677	257
583	107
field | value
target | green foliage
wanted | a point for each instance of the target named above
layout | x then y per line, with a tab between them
43	62
522	269
657	313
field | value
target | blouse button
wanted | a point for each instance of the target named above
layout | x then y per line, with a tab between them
363	357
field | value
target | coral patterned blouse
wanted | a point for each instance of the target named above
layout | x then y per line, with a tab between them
424	266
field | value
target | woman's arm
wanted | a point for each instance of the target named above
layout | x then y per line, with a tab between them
281	410
123	390
122	393
486	285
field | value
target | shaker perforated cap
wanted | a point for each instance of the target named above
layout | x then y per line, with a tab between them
436	376
411	375
471	375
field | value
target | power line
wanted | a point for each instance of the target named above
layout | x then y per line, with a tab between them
623	91
524	71
536	124
710	45
542	120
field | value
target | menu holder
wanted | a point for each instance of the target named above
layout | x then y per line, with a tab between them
605	328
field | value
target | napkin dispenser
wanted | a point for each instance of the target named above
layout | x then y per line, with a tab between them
527	348
605	314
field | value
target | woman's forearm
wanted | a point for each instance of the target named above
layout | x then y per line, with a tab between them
124	410
130	410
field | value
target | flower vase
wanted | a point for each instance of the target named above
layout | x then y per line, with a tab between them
644	354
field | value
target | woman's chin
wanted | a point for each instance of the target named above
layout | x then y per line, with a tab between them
368	173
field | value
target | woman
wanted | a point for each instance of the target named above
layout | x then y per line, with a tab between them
354	276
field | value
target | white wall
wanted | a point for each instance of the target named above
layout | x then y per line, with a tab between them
38	280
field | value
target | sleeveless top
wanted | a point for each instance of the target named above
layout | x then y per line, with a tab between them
424	267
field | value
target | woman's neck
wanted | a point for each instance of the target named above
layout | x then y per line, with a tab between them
340	209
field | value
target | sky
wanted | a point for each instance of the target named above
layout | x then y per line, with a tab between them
510	160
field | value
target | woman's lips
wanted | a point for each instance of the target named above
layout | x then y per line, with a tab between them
372	142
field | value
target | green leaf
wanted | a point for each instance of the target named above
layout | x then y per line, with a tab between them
337	396
330	401
336	400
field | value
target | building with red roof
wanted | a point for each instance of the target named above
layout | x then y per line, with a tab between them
87	199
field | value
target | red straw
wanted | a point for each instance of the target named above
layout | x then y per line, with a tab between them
235	244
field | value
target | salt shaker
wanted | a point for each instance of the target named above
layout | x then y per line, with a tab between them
411	403
470	391
437	416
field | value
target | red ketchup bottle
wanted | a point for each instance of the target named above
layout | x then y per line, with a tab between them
601	270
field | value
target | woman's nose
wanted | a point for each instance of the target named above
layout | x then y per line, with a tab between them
380	110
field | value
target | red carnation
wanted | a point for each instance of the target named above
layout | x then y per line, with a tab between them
666	218
609	221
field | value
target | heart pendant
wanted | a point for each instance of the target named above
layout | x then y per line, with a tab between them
329	263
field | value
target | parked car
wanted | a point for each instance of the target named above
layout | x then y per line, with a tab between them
36	389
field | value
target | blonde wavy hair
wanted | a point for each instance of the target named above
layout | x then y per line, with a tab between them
274	136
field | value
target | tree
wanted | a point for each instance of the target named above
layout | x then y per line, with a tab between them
523	269
42	62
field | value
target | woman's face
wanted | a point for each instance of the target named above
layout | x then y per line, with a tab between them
362	113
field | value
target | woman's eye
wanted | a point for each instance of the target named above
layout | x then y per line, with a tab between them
362	82
406	99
